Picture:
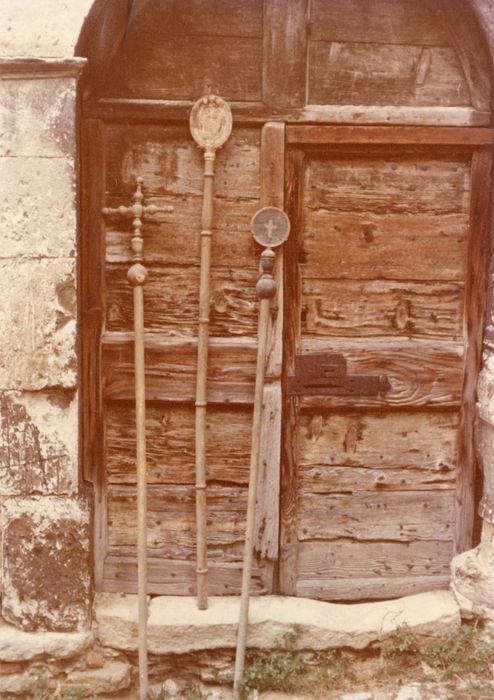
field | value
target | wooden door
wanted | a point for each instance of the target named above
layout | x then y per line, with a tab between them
385	275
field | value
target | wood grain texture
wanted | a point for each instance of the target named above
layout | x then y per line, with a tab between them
171	369
402	516
284	53
171	520
380	307
252	113
475	305
347	559
367	588
170	453
358	73
171	164
177	577
408	22
421	373
419	440
171	301
349	134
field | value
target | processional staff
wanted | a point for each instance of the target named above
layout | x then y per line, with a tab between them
270	227
137	277
210	126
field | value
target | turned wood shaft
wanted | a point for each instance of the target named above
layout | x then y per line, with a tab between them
140	404
252	495
201	386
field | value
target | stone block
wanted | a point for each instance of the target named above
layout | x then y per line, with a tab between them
37	117
38	324
42	27
38	443
37	208
114	676
175	626
17	645
46	580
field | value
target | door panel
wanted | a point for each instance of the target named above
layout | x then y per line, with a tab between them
376	272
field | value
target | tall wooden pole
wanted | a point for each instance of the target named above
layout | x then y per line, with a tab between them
137	277
270	227
210	125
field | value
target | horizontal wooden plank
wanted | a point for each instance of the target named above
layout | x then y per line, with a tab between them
347	559
420	372
396	516
171	301
255	113
415	184
171	519
170	163
343	134
181	67
170	432
173	239
422	247
422	440
324	479
178	577
380	307
171	369
376	21
356	73
375	588
219	18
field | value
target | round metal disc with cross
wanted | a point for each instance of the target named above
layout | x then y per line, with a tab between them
270	227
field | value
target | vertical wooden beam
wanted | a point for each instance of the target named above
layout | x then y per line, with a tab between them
474	313
285	53
92	295
290	410
266	541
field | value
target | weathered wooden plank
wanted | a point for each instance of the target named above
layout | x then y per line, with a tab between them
371	588
170	444
171	369
324	479
178	577
268	487
393	246
255	113
475	305
181	67
469	43
92	283
420	372
422	440
171	164
410	184
380	307
172	301
214	18
172	239
357	73
346	134
284	53
401	516
348	559
376	21
171	519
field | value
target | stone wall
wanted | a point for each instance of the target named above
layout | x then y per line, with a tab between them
44	521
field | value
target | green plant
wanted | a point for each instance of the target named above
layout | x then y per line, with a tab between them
466	651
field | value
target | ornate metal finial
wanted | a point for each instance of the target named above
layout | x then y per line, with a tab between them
210	122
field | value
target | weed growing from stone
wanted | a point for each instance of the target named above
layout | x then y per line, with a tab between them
466	651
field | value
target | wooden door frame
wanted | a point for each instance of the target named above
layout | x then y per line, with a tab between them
478	142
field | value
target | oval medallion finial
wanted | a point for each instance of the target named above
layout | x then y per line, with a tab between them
210	122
